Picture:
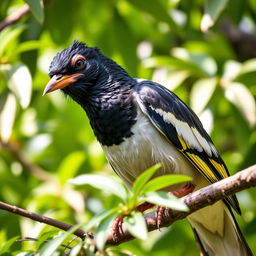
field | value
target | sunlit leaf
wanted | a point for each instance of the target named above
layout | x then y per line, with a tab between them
50	247
7	117
136	225
101	182
37	9
70	165
231	70
165	199
201	93
102	232
213	9
20	82
100	217
242	98
164	181
143	179
206	63
175	63
156	9
5	246
8	35
170	79
29	46
76	249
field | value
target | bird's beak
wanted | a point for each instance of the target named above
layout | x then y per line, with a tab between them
58	83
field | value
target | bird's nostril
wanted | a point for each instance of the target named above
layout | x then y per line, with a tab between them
59	76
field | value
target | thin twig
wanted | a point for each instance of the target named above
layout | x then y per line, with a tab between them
43	219
14	17
25	239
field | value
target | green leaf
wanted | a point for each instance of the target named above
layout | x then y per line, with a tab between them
164	181
37	9
176	78
102	231
176	63
45	236
213	9
70	165
99	217
143	179
201	93
103	183
5	246
20	82
204	62
136	225
165	199
247	67
157	10
52	246
7	117
29	46
231	70
242	98
9	35
76	249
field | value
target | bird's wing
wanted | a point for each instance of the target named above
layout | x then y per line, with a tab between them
181	126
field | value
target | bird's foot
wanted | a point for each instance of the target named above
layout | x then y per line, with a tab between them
117	229
161	210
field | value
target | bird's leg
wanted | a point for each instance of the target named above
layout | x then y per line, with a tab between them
144	206
188	188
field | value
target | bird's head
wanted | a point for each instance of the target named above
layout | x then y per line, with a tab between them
74	69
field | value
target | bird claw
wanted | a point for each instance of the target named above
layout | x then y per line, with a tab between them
117	229
160	211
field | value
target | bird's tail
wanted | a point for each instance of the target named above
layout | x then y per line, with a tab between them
218	233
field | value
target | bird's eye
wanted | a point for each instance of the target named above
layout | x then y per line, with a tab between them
80	63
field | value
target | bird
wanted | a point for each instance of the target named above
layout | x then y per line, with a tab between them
140	123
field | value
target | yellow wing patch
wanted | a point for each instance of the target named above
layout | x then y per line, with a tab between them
183	144
202	166
219	167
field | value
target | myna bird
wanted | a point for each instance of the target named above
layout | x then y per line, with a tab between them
140	123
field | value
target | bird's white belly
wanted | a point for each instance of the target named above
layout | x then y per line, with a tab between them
145	148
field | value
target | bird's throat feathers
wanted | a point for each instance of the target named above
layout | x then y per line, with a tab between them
108	102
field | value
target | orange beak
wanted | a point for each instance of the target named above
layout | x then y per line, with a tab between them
55	83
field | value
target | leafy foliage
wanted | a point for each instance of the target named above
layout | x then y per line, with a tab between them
46	141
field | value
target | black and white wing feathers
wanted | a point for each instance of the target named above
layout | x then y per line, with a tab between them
181	126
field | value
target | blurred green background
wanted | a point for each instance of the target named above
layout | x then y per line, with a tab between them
205	51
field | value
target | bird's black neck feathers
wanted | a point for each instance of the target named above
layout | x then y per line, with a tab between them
109	103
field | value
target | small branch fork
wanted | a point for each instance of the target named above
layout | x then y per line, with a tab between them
195	201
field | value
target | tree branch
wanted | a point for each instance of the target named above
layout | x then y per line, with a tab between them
42	219
195	201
